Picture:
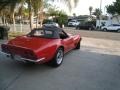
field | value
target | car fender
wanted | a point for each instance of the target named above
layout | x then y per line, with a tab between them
49	50
77	39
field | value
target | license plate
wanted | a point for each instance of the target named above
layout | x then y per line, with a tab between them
17	57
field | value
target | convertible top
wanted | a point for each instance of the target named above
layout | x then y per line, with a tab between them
54	29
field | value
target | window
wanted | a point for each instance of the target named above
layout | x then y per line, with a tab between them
116	25
41	33
38	33
63	35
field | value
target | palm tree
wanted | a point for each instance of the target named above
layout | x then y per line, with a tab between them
21	14
69	3
97	13
12	10
90	10
32	5
11	5
4	13
38	9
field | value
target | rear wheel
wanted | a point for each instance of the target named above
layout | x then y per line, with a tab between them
90	28
77	27
105	29
58	58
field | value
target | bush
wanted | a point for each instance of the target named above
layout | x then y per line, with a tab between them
61	20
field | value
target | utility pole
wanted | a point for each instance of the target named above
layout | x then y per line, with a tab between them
100	4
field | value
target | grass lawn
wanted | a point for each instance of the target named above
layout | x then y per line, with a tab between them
12	35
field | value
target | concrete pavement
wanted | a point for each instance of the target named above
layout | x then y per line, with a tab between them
103	46
81	70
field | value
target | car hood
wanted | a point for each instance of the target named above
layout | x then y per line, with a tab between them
33	43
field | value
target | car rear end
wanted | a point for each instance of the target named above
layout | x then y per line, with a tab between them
20	53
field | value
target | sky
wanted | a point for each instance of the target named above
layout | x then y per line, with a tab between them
83	6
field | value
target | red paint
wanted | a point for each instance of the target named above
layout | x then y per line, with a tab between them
35	48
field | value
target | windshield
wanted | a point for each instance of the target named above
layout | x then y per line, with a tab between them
41	33
72	21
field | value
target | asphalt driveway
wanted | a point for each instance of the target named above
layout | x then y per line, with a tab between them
94	34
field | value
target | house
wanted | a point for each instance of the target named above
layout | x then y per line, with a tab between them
82	18
85	18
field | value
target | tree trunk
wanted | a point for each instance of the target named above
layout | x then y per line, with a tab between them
30	15
42	15
4	20
37	18
21	24
90	13
13	17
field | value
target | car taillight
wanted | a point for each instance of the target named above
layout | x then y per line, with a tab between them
4	48
30	55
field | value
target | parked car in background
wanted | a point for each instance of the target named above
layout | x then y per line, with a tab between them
41	45
51	24
87	26
112	27
73	23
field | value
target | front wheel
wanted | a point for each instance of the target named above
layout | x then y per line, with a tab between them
58	58
105	29
78	45
77	27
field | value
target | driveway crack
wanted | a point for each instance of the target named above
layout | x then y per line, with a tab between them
14	80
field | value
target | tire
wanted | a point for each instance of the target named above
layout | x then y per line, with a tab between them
76	27
105	29
78	45
118	30
30	63
58	58
90	29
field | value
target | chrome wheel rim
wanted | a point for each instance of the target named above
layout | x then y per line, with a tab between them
90	28
59	57
105	30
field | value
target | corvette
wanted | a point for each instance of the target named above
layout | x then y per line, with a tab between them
42	45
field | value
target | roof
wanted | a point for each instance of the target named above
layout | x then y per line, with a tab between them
54	29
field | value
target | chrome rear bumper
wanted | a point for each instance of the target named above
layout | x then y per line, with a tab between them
22	59
35	61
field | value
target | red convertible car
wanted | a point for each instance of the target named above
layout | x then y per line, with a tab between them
47	44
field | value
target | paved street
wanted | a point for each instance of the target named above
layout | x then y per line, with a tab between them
95	67
95	34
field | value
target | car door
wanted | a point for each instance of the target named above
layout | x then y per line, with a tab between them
117	27
67	41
